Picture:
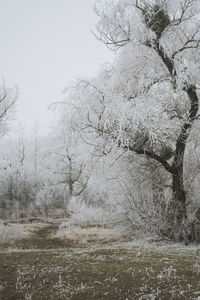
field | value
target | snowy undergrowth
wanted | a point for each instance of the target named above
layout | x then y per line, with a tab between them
83	213
14	232
90	223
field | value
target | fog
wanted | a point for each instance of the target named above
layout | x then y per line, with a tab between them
46	44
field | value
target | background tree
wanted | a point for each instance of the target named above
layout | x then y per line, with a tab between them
71	164
8	97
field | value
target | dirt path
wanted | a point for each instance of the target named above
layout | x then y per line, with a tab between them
48	236
41	237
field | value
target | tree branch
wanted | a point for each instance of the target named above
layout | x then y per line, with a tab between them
152	155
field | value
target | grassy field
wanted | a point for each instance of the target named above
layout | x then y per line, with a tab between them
113	271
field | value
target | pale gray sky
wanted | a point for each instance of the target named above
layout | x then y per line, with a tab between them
45	44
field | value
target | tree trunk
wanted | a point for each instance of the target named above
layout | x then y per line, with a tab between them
179	198
70	189
179	212
70	183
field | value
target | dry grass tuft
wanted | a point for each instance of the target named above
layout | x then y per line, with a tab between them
92	233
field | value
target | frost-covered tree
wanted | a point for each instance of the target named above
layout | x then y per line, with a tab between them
70	169
161	91
16	179
71	174
148	101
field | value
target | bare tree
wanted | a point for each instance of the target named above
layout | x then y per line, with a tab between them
71	175
8	97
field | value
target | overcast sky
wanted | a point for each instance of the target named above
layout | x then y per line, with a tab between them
45	44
